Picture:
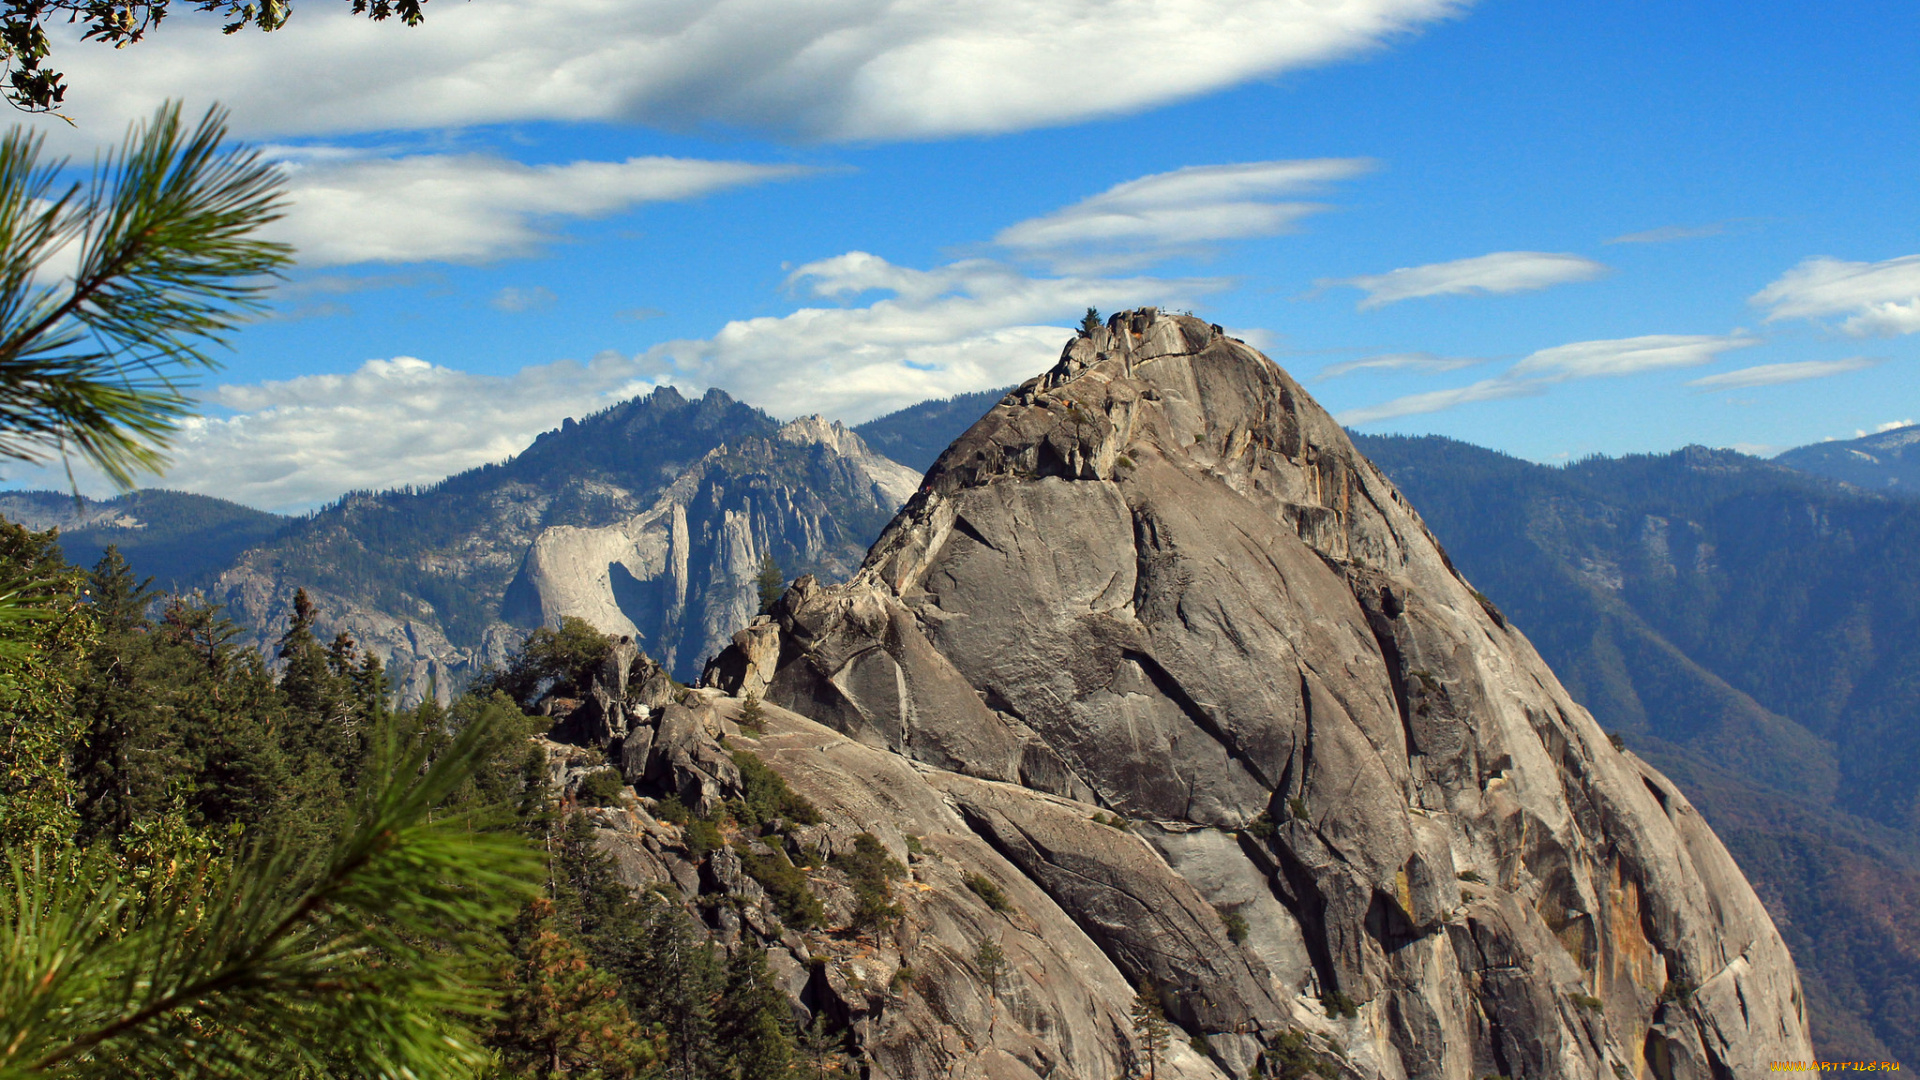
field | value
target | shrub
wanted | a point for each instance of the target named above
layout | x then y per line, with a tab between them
1299	807
1114	821
672	811
1292	1058
1587	1001
602	787
1236	925
786	886
1473	876
872	872
752	719
1261	827
985	889
702	836
1618	742
768	796
1339	1004
914	846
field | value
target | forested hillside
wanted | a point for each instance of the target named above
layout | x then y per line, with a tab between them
1744	626
181	539
1887	461
916	435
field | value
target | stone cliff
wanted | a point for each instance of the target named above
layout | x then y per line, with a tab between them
1158	588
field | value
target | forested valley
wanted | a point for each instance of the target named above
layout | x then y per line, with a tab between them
157	772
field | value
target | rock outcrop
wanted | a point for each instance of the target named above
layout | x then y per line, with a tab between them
1157	586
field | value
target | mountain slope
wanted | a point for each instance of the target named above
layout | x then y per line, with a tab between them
180	539
1888	461
437	581
1740	623
917	434
1160	581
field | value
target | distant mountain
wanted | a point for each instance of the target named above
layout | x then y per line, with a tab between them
1749	629
1888	461
650	518
918	434
183	541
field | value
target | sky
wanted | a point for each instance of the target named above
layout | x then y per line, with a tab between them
1551	229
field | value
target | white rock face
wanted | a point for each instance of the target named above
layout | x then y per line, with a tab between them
1160	581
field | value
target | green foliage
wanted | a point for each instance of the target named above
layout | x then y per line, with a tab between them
917	435
671	810
562	1014
755	1025
561	662
991	962
95	363
1152	1035
769	582
1290	1057
767	796
38	676
984	888
1261	827
786	886
1472	876
1337	1003
821	1048
1298	807
1114	821
914	847
32	86
1236	925
369	946
753	718
1090	322
1587	1001
872	872
602	787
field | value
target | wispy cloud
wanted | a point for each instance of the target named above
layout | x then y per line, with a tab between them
1499	272
1667	234
1541	370
1880	299
1185	211
1774	374
1425	363
832	69
477	208
514	300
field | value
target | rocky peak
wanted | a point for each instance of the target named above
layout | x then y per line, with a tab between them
1159	582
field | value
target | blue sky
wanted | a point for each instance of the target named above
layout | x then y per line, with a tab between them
1551	229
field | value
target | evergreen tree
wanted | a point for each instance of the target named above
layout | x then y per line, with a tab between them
754	1022
1089	322
820	1048
38	676
770	582
1151	1032
563	1016
991	962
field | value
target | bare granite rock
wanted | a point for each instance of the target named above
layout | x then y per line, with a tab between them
1158	583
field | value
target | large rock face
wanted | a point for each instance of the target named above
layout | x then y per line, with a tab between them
1159	582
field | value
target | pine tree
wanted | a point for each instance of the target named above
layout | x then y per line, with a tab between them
770	582
1090	322
754	1021
1151	1033
991	962
563	1016
820	1048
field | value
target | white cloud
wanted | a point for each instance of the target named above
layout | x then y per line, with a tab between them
835	69
1628	356
1880	299
1180	212
1563	363
1774	374
1892	425
1425	363
970	325
965	326
1667	234
1439	400
1499	272
513	300
475	208
293	444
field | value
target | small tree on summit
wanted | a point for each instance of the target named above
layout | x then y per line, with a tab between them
1090	322
770	581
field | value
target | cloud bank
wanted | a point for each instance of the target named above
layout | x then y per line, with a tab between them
1499	272
474	207
1879	299
1422	362
826	69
